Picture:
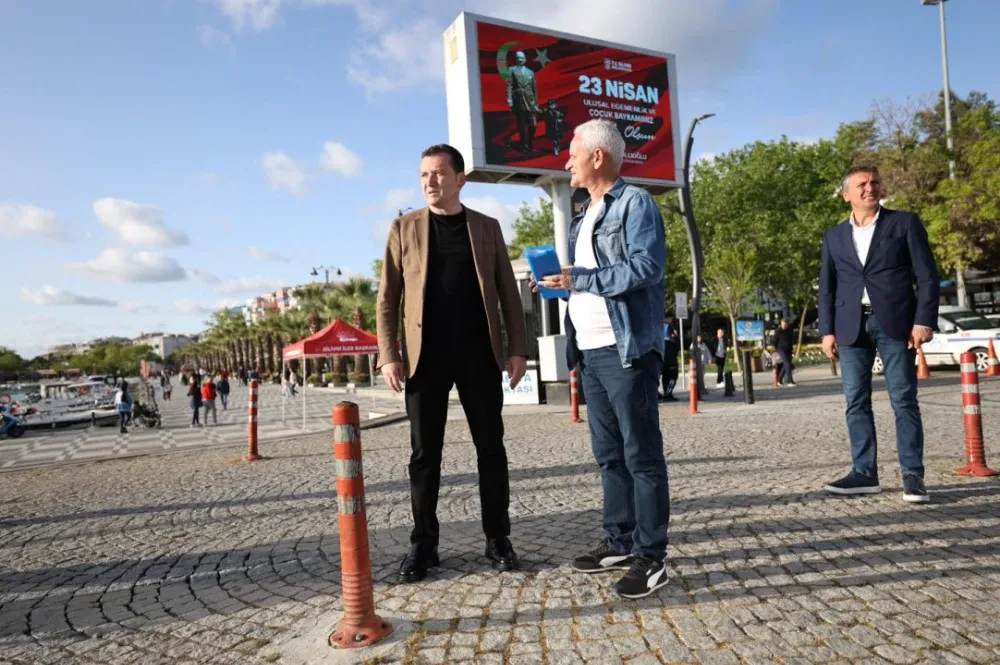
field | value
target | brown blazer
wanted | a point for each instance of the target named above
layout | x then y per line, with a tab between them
404	273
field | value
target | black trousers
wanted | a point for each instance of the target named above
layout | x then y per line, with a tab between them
474	371
720	363
670	371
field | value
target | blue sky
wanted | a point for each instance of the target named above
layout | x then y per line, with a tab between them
160	158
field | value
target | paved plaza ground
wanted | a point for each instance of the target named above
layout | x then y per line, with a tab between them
197	557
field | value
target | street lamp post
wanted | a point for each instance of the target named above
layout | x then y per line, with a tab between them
326	271
697	256
949	141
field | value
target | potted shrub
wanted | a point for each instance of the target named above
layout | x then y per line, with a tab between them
359	378
313	379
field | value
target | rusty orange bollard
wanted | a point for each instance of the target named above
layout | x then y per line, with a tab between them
252	455
574	396
360	626
923	370
992	364
975	451
693	384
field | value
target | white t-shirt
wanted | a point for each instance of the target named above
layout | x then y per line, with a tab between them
589	313
862	237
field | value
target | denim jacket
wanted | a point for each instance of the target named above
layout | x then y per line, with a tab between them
631	253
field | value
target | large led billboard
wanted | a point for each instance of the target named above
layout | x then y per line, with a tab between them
515	93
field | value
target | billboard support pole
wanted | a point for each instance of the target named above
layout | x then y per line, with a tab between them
697	257
562	213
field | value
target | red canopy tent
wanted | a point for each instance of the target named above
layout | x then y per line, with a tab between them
337	339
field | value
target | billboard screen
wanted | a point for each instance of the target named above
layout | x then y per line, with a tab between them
536	87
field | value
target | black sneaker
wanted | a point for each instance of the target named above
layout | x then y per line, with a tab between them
854	483
914	490
643	578
601	558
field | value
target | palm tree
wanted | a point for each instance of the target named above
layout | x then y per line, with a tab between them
358	298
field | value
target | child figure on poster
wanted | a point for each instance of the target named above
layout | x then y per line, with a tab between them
553	125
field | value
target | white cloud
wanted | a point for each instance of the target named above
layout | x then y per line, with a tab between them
338	158
210	37
22	219
505	213
135	308
189	307
397	199
258	15
137	224
251	285
125	266
707	157
264	255
202	277
284	173
209	179
50	295
221	222
407	56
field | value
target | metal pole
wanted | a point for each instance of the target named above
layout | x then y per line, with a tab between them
697	257
949	139
682	379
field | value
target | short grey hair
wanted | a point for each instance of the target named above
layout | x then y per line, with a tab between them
603	134
861	168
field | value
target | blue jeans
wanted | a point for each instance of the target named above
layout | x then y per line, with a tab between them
901	378
623	412
224	398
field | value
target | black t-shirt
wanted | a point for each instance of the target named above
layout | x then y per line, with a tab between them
454	314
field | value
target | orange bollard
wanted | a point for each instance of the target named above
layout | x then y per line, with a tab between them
694	388
975	451
574	396
993	365
360	626
923	371
252	455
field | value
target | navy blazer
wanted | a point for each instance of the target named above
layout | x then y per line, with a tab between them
899	256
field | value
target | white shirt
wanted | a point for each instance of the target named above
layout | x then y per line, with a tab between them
862	237
589	313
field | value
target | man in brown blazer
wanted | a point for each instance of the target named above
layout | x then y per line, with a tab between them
451	268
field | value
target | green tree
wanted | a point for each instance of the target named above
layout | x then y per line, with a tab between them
10	361
732	284
532	227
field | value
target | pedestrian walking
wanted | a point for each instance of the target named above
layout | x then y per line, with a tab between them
719	356
222	388
617	256
671	347
449	265
123	405
867	304
784	344
208	395
194	401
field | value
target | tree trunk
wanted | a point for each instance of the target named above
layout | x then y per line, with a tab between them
802	327
736	345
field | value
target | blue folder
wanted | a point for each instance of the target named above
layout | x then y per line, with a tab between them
544	262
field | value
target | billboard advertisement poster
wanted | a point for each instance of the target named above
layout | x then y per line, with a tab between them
536	88
750	331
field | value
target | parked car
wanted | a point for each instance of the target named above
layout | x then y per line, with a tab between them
960	330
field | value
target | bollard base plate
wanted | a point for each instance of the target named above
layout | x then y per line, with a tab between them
354	637
252	458
979	470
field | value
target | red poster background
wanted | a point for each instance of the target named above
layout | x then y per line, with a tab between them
558	65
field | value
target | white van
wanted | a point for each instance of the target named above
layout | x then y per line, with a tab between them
960	330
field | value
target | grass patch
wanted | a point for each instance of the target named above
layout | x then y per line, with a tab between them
273	658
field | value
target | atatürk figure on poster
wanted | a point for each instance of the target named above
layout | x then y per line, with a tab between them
522	98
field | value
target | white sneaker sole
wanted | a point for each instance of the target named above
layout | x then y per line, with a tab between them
649	592
916	498
590	571
876	489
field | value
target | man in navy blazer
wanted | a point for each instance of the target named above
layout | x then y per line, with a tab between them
867	303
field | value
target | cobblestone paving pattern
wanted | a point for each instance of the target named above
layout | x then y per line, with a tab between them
197	557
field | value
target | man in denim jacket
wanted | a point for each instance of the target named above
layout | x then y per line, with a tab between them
614	328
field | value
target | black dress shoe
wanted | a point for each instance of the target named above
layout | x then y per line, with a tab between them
416	562
501	553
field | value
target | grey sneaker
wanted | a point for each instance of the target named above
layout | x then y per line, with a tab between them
914	490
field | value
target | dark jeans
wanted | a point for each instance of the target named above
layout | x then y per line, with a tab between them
670	372
720	363
122	418
474	371
195	408
224	398
786	366
625	436
856	363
